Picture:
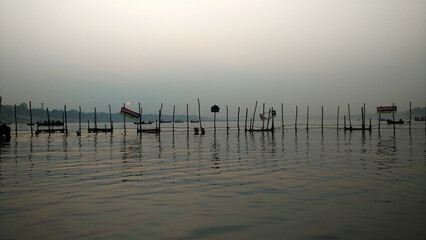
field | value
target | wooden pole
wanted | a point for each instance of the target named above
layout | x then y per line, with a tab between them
282	115
227	126
338	111
187	118
16	121
272	128
124	120
110	117
263	112
254	114
349	114
322	118
295	122
380	115
88	125
362	119
79	118
245	125
173	124
307	119
66	119
238	119
31	119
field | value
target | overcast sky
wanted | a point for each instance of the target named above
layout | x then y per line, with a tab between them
226	52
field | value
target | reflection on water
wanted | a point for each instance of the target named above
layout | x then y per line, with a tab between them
236	185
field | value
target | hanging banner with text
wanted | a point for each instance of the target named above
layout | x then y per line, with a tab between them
389	109
129	113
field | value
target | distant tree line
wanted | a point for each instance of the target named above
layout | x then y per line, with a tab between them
7	115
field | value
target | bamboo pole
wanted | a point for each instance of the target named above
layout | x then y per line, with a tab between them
410	115
16	121
141	112
31	119
159	117
272	127
66	119
140	121
263	112
238	119
254	114
393	118
227	126
269	116
369	127
214	121
282	115
124	119
199	114
48	119
349	114
187	118
295	122
364	116
322	118
110	118
307	119
338	112
245	125
173	124
79	119
96	121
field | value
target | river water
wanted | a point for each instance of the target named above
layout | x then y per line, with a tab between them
236	185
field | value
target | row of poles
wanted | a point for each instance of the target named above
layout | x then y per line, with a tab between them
250	127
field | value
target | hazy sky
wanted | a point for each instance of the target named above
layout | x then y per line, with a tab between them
226	52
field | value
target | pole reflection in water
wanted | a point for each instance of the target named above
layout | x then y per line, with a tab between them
215	186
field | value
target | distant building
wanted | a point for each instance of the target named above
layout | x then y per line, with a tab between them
42	106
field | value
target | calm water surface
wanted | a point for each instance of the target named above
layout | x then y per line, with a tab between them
216	186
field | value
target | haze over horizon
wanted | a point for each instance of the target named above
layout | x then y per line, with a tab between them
94	53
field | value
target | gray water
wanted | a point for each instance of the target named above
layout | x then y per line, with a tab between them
236	185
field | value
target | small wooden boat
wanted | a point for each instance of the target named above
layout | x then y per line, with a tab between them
51	123
143	122
419	118
400	121
194	121
178	121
